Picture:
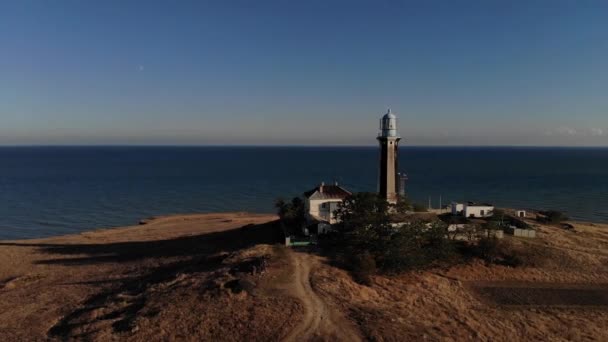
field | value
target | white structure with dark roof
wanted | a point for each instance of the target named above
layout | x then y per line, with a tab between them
322	201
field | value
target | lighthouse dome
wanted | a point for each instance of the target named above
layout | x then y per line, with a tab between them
389	115
388	125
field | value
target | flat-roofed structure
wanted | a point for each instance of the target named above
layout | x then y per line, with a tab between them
472	209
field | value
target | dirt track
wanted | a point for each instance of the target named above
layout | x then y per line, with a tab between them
320	321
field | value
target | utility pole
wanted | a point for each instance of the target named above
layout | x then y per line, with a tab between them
440	206
430	204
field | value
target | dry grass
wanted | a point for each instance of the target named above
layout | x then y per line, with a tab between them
220	277
198	277
439	304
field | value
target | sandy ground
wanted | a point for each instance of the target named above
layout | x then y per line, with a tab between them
223	277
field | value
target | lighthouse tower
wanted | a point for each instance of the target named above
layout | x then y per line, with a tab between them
388	178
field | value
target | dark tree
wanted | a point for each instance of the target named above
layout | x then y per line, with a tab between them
365	230
554	216
363	222
403	205
292	212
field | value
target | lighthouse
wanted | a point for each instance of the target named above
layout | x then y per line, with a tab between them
388	178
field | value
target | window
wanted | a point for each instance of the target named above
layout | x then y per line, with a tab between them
323	205
482	212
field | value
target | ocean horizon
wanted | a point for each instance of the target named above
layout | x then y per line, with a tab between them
56	190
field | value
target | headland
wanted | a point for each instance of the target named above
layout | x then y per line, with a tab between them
226	276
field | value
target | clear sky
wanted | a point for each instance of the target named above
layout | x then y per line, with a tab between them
303	72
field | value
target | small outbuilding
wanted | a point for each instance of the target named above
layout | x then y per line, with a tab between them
473	210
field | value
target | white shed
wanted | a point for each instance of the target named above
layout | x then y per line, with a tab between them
478	210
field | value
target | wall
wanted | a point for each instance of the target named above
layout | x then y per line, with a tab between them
476	211
456	208
315	208
527	233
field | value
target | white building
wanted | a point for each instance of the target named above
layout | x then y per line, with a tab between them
457	208
320	204
471	209
478	210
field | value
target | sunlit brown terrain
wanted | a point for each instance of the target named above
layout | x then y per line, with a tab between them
226	277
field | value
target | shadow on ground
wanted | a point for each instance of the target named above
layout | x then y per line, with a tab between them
188	246
121	300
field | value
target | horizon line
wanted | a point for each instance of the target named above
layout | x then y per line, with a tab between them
294	145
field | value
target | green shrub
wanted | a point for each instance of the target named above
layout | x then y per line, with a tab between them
414	246
504	252
488	248
365	231
292	214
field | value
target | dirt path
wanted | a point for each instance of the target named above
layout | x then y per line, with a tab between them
320	321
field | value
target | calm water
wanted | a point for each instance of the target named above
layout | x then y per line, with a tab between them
57	190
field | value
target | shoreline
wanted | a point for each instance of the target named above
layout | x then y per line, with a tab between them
153	220
150	220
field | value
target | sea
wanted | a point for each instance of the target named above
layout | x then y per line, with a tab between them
48	191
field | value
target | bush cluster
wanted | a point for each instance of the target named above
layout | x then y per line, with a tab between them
366	242
504	252
552	216
366	233
292	214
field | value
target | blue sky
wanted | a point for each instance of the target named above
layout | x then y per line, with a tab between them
303	72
